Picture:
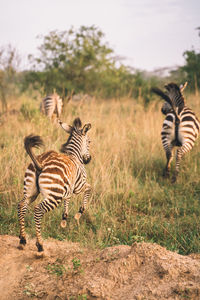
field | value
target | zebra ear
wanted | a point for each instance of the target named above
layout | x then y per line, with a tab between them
85	129
183	86
66	127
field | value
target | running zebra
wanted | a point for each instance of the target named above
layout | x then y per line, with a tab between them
56	176
51	105
180	127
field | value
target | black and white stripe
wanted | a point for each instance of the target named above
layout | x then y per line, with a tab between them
180	127
51	105
56	176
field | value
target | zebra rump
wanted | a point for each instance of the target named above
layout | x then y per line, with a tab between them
51	105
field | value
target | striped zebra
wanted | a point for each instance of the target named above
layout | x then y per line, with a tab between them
180	128
51	105
56	176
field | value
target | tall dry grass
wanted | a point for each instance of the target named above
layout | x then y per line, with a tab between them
130	200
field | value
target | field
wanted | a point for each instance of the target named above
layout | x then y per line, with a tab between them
131	201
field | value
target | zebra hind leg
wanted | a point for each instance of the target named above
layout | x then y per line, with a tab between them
179	155
63	223
40	209
22	208
86	196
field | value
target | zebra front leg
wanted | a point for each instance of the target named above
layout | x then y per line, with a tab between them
86	196
63	223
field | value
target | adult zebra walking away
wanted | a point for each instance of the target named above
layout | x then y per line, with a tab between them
180	128
51	105
56	176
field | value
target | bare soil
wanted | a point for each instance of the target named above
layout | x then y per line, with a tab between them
68	271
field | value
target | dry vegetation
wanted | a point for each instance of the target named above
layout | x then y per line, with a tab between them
130	201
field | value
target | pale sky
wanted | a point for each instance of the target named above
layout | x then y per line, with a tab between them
149	33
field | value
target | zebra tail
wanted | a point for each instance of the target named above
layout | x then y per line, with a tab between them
165	97
162	95
33	141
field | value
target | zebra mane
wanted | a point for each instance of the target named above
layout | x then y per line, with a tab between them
77	124
175	94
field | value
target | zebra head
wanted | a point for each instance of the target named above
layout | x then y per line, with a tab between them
166	108
176	94
78	141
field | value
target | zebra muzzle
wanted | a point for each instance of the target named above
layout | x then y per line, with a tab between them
86	159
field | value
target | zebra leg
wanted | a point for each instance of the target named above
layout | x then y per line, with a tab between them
86	196
22	208
63	223
40	209
179	155
169	157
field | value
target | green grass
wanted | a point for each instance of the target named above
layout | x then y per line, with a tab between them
131	201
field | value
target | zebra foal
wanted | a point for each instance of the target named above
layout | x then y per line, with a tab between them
51	105
56	176
180	128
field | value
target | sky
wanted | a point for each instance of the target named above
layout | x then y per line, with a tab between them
146	34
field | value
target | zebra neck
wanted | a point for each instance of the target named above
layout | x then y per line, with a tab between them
73	152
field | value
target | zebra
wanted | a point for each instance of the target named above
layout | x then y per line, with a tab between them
56	176
51	104
180	128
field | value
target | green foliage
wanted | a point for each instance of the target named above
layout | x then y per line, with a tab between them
192	69
80	61
68	59
76	263
56	268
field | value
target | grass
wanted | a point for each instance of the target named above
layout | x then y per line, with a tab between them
131	202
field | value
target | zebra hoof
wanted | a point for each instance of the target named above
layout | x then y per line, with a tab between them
63	223
77	216
165	174
21	247
40	247
39	254
22	243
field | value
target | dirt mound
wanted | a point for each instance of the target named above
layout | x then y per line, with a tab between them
67	271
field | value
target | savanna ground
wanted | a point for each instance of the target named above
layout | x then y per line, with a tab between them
131	202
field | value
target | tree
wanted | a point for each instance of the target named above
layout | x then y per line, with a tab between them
192	68
81	61
68	59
